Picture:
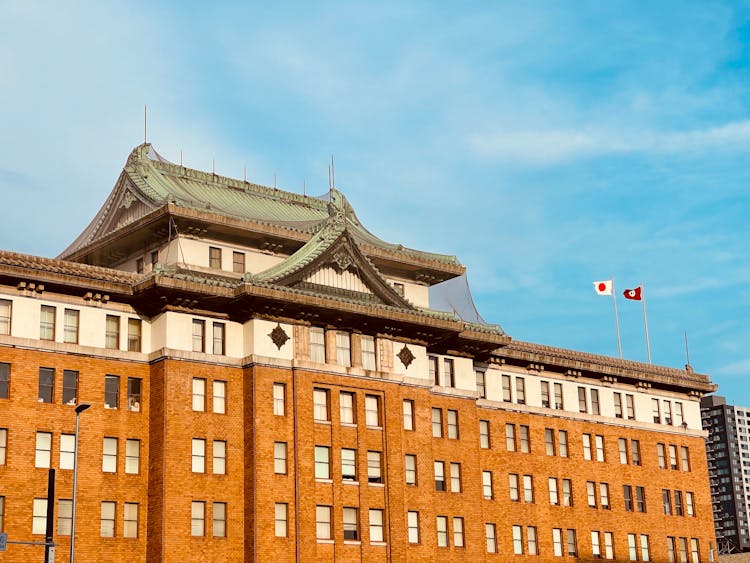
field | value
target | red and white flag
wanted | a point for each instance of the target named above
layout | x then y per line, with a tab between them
634	294
603	287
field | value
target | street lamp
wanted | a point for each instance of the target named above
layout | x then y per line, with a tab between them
79	409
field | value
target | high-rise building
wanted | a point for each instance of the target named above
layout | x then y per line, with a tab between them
270	381
728	451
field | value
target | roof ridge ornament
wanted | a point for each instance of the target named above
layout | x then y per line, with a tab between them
337	208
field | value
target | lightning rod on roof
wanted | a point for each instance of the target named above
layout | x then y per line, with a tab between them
304	187
274	180
333	174
181	157
145	123
244	172
213	166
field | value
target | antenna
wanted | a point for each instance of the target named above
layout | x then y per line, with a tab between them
274	180
213	166
244	172
333	174
304	187
145	124
181	158
687	350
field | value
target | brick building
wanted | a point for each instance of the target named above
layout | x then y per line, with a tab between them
269	381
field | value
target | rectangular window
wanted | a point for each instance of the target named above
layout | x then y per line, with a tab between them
666	498
322	462
372	411
323	522
219	338
346	407
587	447
109	455
545	394
348	464
599	441
689	505
604	495
510	437
567	492
154	259
487	491
197	518
47	323
524	438
452	424
594	401
238	262
134	394
139	265
112	332
107	520
678	508
671	549
219	402
449	378
432	368
214	259
549	441
630	406
673	456
622	446
596	548
685	458
437	423
455	470
5	314
219	457
679	418
439	468
4	446
661	456
376	525
655	410
412	525
683	549
609	548
219	519
633	547
130	520
351	524
562	442
442	531
513	487
4	380
627	495
67	451
39	516
645	551
531	540
70	387
559	396
528	488
635	451
132	456
640	499
279	399
667	412
517	540
481	389
694	551
199	335
374	467
572	543
317	345
280	519
343	349
64	516
490	538
507	395
554	497
520	391
408	414
582	402
320	404
199	394
458	531
410	469
199	455
134	335
46	385
111	391
484	434
591	493
368	351
70	326
618	405
43	449
557	545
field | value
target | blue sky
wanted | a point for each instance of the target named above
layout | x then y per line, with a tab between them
546	147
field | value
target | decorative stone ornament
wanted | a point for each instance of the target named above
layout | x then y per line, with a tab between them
278	336
342	260
406	356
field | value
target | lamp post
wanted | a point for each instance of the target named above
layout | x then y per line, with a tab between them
79	409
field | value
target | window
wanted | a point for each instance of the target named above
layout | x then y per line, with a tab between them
374	467
439	468
199	455
437	423
599	441
322	462
513	487
622	446
449	379
410	469
520	391
528	488
455	470
678	507
666	499
452	424
604	495
134	394
220	519
111	391
376	525
667	412
412	526
685	458
640	499
596	548
351	527
432	367
510	437
549	441
320	404
591	493
280	519
4	447
219	403
109	455
219	457
679	418
219	338
594	401
214	259
5	314
70	387
4	380
199	394
587	447
558	396
139	265
154	259
671	549
484	434
507	395
43	449
64	516
197	518
67	451
112	332
238	262
47	323
572	543
132	456
545	394
683	549
348	464
408	414
661	455
346	407
689	505
46	385
317	345
609	550
368	351
70	326
655	410
481	389
694	550
199	335
630	406
635	451
567	492
517	540
134	335
562	442
442	531
490	538
107	521
531	540
645	555
130	520
279	393
343	349
618	405
323	522
554	497
458	531
487	491
372	411
557	545
39	516
627	494
673	456
582	402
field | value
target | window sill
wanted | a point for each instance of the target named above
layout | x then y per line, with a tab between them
326	422
331	542
377	485
327	481
378	543
352	542
374	427
356	483
347	424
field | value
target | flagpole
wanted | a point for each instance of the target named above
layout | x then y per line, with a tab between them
617	318
645	321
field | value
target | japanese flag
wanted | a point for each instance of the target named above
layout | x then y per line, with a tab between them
603	287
